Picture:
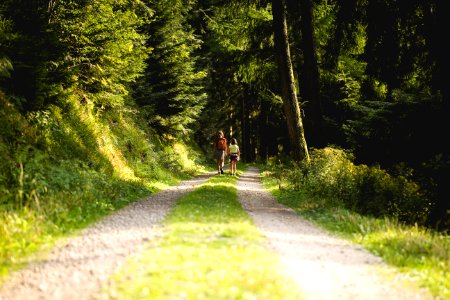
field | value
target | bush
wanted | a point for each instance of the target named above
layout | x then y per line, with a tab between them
332	177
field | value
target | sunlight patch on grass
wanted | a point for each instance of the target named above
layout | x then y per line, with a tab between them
114	156
426	256
185	161
203	271
156	186
21	238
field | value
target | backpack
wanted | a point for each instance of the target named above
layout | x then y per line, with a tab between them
221	144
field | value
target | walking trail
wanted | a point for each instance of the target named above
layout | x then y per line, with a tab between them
324	267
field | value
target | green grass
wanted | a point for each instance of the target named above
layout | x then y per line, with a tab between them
27	233
75	198
211	250
418	252
71	166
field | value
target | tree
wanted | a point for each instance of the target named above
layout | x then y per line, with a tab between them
302	17
171	92
390	89
243	79
88	48
289	95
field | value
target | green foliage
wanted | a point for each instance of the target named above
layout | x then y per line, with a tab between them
17	145
243	87
62	170
171	92
102	49
233	28
350	76
337	182
90	48
58	199
73	145
5	35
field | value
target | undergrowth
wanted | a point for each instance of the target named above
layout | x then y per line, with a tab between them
62	169
421	253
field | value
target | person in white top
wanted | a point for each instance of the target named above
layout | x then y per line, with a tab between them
233	151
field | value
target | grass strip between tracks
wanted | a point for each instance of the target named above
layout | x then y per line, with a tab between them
210	249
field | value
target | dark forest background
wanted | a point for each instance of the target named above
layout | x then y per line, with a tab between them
107	89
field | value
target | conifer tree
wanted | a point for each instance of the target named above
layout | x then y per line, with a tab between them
90	48
171	90
102	50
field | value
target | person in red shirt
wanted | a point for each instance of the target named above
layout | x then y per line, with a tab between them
220	149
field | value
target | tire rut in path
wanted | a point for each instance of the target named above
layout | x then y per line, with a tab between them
77	267
324	267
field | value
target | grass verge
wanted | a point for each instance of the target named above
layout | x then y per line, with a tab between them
27	234
420	253
69	165
211	250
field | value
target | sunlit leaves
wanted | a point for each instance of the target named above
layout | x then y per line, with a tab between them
103	47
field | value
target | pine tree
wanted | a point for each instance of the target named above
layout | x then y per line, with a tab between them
171	90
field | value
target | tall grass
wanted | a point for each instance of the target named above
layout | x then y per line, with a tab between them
62	169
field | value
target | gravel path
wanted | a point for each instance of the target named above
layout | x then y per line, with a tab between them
77	267
324	267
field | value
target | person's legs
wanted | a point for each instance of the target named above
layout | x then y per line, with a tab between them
221	162
233	167
219	159
232	162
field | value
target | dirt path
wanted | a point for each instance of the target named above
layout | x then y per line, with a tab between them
76	269
325	267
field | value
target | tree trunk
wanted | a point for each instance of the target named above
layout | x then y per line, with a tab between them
263	128
288	91
246	144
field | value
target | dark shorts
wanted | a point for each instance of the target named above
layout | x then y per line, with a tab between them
219	154
234	157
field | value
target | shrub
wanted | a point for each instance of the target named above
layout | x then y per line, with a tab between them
332	177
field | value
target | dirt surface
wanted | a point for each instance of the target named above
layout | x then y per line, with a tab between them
78	267
324	267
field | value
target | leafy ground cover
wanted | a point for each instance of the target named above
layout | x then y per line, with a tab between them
210	250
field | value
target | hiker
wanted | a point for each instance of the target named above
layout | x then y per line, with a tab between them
220	149
235	154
